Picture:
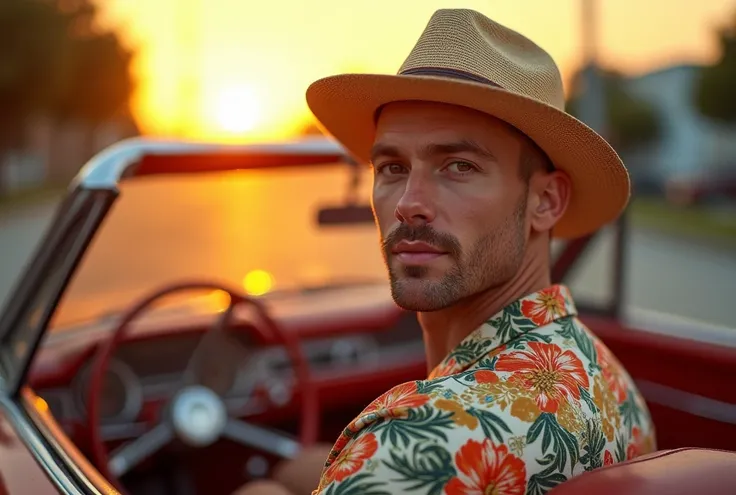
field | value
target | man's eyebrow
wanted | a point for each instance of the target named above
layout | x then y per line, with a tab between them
449	148
461	146
380	149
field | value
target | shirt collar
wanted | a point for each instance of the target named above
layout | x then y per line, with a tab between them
532	311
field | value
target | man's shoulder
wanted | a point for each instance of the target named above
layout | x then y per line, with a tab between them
550	404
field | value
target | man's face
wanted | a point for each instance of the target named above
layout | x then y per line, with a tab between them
449	202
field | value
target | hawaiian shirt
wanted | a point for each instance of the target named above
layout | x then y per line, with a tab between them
524	403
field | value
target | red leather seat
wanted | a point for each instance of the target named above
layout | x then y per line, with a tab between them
674	472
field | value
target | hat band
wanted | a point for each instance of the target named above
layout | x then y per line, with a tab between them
445	72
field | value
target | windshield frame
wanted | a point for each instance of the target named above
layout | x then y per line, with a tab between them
32	303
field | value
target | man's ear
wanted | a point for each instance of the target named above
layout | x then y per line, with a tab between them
552	191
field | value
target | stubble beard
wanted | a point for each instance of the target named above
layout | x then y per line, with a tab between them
493	260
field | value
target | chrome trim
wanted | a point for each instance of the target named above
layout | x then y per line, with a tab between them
130	455
63	445
107	168
26	431
59	254
697	405
63	397
262	438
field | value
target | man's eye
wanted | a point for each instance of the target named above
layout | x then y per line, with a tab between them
392	169
461	167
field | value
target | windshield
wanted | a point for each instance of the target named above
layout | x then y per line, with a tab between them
254	230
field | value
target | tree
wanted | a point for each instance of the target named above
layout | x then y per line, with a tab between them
31	63
715	92
99	82
55	61
632	121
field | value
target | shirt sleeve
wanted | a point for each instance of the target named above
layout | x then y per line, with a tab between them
486	429
438	448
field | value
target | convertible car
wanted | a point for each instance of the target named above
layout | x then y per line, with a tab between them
196	313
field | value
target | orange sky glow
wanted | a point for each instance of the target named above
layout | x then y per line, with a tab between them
236	70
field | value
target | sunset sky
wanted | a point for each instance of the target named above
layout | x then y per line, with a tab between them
237	69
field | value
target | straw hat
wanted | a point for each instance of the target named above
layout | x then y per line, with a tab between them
464	58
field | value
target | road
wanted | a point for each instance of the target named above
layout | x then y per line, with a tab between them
673	277
20	231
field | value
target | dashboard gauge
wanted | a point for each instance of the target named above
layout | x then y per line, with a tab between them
121	396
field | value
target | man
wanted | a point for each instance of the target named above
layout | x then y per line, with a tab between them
477	167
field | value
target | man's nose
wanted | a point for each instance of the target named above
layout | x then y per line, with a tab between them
416	205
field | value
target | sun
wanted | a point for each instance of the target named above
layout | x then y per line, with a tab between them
237	109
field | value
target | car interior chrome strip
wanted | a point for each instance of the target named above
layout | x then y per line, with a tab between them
106	169
45	458
694	404
62	445
66	264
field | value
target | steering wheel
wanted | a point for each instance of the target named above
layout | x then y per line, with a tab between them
197	414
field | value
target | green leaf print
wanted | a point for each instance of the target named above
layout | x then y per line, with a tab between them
360	484
424	423
428	467
585	396
488	364
469	351
630	411
570	330
491	424
426	387
522	341
593	446
511	323
621	445
562	442
542	482
463	378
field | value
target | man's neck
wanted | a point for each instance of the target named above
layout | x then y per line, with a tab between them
445	329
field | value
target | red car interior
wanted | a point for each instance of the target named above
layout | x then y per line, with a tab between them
702	371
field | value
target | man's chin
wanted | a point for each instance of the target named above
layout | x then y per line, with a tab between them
421	295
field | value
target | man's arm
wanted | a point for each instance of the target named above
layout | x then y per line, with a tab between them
433	450
457	447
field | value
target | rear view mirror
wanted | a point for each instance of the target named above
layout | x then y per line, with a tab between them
345	215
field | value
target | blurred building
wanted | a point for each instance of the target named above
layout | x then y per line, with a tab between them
55	152
691	152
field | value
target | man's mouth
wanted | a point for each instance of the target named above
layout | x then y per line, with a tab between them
416	252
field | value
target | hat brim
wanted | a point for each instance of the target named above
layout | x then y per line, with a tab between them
346	105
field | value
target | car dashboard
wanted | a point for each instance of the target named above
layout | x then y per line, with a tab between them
348	364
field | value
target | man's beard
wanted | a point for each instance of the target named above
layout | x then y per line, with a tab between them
492	260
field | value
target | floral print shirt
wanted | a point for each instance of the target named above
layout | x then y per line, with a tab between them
525	402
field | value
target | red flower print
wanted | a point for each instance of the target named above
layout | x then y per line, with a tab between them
351	459
612	372
548	305
484	467
485	376
443	369
396	401
553	375
607	458
634	449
